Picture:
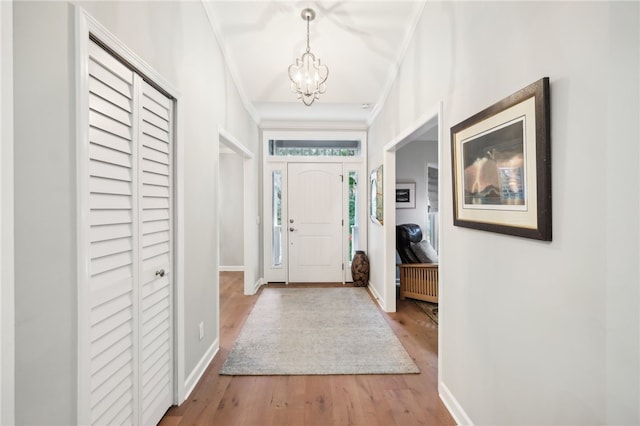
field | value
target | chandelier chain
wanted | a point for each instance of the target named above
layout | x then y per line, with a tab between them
308	48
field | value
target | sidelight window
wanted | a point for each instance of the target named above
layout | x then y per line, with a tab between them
276	205
353	213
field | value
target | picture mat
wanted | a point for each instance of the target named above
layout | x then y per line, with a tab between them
525	218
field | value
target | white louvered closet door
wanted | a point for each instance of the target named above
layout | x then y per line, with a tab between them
156	271
130	336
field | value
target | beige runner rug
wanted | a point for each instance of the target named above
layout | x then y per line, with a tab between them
311	331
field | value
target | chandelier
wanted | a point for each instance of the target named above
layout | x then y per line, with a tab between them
308	75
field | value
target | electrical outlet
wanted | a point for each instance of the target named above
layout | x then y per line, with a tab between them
201	329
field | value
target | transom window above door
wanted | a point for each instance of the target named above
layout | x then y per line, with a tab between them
314	148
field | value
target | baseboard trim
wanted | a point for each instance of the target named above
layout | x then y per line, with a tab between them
378	297
454	407
257	285
232	268
200	368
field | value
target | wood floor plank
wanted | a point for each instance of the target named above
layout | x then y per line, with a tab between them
287	400
318	410
384	400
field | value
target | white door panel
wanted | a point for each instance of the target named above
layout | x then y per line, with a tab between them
315	222
155	295
111	281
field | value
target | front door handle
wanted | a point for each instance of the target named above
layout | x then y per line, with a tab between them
291	229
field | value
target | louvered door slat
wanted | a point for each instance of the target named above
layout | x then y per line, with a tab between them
104	248
155	203
155	238
109	140
104	413
99	201
156	262
110	156
154	120
154	155
156	309
100	168
114	66
155	179
105	361
120	363
107	217
109	124
156	383
105	91
111	262
110	185
156	133
155	167
159	105
111	110
155	214
155	226
110	231
155	143
112	382
113	321
110	80
157	360
118	294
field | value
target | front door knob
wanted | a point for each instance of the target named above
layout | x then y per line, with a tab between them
291	229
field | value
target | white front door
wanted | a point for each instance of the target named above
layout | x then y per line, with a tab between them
315	222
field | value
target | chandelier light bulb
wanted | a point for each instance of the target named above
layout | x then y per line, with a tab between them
306	87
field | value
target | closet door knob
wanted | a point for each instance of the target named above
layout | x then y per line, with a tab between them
160	273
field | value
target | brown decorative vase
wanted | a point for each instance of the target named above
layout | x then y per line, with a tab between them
360	269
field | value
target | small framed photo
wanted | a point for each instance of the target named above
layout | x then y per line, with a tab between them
405	195
501	164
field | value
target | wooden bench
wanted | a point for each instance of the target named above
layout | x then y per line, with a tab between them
419	281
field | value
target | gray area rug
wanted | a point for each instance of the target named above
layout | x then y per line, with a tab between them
310	331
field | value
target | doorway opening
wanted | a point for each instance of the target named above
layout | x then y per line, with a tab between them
235	223
313	202
427	131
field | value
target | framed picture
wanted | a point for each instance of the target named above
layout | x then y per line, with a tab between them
405	195
501	165
377	199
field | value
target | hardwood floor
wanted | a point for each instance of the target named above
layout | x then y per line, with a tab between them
409	399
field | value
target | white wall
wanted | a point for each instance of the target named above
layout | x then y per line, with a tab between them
535	332
44	215
7	343
176	40
411	166
231	210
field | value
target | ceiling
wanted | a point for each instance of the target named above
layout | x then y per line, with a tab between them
361	42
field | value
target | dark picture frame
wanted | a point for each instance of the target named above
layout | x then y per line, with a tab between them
501	166
405	195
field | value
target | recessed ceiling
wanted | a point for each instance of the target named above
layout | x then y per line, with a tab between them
361	42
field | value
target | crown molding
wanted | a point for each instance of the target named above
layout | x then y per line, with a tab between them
395	67
231	68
